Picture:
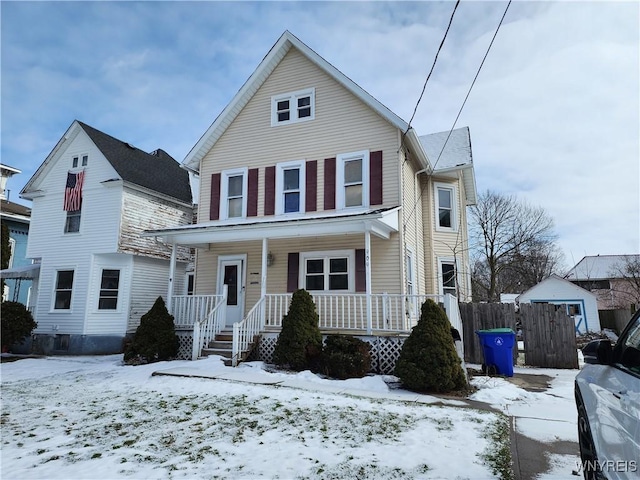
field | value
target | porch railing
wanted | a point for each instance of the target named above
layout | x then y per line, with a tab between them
245	331
389	312
206	329
186	309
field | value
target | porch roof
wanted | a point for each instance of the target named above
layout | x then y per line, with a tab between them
381	222
27	271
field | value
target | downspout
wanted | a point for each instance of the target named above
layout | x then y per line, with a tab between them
172	272
417	195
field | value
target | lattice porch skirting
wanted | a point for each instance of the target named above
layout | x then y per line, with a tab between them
384	351
185	338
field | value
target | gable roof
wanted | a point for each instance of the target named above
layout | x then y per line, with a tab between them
287	41
156	171
451	151
555	279
598	267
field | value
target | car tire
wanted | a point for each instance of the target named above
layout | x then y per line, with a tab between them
590	468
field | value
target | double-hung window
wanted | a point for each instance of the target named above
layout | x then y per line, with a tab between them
448	280
76	159
352	179
64	287
109	290
72	223
328	271
234	194
445	207
290	187
293	107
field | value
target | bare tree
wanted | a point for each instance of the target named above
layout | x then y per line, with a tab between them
627	289
512	244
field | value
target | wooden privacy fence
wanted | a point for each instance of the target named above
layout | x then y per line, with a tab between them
549	336
484	316
548	332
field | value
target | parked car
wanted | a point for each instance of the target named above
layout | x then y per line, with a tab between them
607	392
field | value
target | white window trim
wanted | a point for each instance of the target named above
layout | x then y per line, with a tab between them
224	190
341	159
411	255
118	308
12	250
53	308
326	255
455	263
454	206
293	106
280	168
79	158
66	218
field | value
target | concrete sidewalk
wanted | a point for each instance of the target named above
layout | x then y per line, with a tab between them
530	456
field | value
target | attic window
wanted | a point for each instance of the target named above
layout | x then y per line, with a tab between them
76	160
293	107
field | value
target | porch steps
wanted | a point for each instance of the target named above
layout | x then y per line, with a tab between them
222	345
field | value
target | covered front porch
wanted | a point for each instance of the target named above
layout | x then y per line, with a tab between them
252	269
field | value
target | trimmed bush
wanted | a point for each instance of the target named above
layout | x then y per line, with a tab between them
17	323
299	344
155	339
346	357
428	361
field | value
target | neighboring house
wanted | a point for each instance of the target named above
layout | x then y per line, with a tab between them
580	304
604	276
92	197
16	217
307	181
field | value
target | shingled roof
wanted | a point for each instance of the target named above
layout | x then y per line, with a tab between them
156	171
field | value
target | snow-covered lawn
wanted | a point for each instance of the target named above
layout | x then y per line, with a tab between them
93	417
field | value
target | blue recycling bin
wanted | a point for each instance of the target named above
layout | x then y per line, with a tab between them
497	347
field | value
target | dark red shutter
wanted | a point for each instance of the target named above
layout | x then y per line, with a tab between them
252	193
375	178
311	186
293	267
214	205
270	190
330	184
361	271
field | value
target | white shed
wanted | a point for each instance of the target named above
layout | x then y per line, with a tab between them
581	304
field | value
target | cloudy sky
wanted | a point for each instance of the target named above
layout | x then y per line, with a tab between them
554	114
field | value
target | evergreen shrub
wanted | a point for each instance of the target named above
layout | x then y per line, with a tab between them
155	339
346	357
428	361
299	344
17	323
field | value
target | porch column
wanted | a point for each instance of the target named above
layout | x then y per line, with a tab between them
367	265
263	279
172	272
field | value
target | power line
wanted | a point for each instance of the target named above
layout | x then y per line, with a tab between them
472	84
461	107
424	87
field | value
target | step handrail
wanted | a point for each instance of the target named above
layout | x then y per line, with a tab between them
206	330
245	330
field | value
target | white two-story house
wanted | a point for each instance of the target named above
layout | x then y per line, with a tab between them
307	181
92	196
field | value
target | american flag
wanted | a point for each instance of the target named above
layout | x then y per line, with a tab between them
73	191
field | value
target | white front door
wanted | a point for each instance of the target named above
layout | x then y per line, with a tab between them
231	274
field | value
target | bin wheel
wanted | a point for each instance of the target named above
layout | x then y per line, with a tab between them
489	370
